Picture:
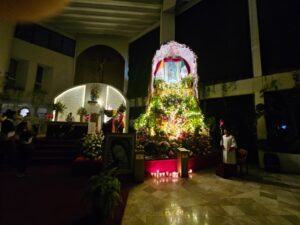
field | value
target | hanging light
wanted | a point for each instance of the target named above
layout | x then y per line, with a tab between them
29	10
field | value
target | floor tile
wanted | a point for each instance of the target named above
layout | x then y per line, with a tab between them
260	198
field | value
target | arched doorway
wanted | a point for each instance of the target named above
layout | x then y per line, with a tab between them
101	64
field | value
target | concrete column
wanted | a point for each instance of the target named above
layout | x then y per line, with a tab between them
6	37
167	21
30	77
261	128
254	36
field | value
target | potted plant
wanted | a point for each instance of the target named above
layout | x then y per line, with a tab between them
92	145
58	107
81	112
104	193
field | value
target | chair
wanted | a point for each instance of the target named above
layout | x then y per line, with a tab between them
242	160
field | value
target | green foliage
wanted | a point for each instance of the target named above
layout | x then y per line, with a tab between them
173	119
81	111
187	81
92	145
158	83
104	192
59	107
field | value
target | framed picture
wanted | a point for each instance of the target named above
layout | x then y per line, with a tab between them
119	152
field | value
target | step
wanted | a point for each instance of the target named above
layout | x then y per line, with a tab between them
52	159
50	153
57	141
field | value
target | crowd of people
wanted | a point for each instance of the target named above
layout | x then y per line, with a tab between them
16	136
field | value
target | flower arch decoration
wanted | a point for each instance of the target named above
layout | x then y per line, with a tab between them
174	50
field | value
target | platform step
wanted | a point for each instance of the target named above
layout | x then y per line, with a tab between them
55	151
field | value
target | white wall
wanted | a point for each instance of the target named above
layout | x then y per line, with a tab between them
6	34
61	66
120	44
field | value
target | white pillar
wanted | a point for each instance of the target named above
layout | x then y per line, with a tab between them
261	128
167	21
6	37
254	36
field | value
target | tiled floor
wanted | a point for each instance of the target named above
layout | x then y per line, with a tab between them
260	198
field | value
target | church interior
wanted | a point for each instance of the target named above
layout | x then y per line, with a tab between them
149	111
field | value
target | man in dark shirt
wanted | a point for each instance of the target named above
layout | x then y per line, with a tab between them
8	132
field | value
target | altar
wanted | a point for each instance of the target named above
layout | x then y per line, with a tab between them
92	99
66	130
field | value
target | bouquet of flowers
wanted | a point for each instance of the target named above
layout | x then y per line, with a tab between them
92	145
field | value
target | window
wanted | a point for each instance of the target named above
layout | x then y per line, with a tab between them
55	41
44	37
24	32
41	36
68	47
39	79
11	76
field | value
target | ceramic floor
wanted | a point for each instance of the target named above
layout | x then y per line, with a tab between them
260	198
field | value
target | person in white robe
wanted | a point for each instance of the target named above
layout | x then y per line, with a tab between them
229	146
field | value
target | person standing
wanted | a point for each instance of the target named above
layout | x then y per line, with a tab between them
118	120
229	146
8	131
24	149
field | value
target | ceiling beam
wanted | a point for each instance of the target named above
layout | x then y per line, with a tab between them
93	11
118	5
79	25
93	18
160	2
83	29
97	24
119	34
